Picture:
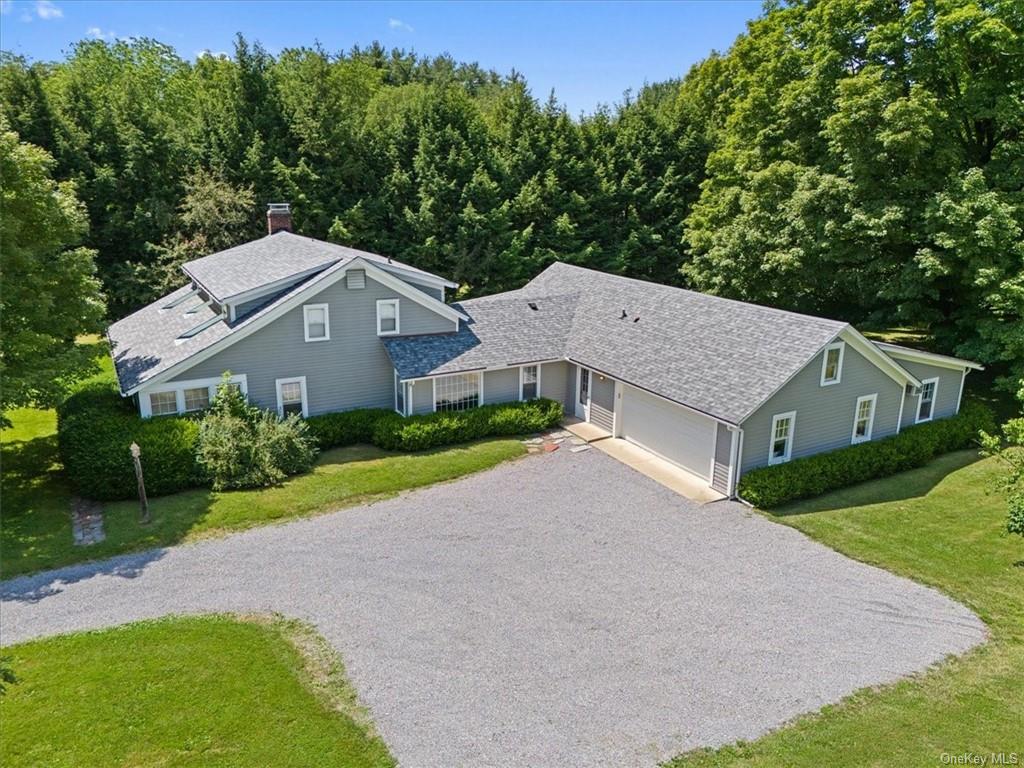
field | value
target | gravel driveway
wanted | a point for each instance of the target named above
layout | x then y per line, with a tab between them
562	610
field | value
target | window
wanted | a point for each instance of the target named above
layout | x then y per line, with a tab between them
163	403
387	317
782	438
457	393
864	418
197	398
291	396
926	400
832	364
317	322
399	395
529	382
584	386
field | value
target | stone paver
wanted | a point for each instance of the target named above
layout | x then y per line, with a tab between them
561	610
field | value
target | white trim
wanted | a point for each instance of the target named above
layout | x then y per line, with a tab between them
873	399
433	395
734	456
398	323
429	280
577	403
302	386
617	410
480	389
327	322
870	350
899	419
739	464
319	283
935	396
179	387
960	397
522	374
930	358
714	453
791	415
841	346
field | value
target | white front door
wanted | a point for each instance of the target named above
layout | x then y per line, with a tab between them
582	393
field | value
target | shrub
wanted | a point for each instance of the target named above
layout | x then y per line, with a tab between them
241	446
417	433
333	430
95	428
915	446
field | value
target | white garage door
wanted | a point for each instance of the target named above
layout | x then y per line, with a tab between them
674	433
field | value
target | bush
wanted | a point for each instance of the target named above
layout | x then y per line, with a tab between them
333	430
915	446
417	433
95	428
241	446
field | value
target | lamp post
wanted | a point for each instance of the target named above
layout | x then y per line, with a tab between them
143	503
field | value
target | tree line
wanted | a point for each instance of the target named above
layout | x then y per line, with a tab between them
859	159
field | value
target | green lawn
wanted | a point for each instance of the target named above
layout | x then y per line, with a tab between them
201	691
36	530
938	525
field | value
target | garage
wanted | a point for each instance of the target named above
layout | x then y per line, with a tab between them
671	431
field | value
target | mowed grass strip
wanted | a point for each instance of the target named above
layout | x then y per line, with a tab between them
341	478
939	525
198	691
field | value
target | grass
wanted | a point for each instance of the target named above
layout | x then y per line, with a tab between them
36	530
341	478
199	691
940	526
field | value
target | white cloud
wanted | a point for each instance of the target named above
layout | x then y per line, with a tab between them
212	54
399	24
99	34
46	10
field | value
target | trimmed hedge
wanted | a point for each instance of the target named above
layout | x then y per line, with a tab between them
417	433
333	430
915	446
95	427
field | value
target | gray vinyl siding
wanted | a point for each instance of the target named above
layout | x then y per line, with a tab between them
723	451
571	372
351	370
241	310
501	386
945	397
437	293
602	401
554	383
824	415
422	396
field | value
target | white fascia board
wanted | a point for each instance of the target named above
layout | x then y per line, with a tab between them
870	350
929	358
433	281
323	280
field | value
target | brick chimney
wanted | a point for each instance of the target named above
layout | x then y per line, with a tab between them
279	217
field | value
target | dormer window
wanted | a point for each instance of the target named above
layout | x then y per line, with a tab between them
317	324
387	317
832	364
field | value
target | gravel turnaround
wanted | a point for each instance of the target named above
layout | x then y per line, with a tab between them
561	610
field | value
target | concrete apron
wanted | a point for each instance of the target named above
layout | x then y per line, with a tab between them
675	478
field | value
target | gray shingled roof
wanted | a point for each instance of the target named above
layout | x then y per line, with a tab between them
719	356
275	258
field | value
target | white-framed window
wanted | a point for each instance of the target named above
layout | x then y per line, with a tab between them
832	364
197	399
316	320
387	317
864	418
926	400
184	396
529	382
163	403
458	392
399	395
291	396
781	447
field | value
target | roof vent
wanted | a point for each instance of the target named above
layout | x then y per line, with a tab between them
532	305
279	217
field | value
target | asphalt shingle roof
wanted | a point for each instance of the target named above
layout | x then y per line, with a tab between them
275	258
719	356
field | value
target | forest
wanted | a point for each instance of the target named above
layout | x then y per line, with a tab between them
857	159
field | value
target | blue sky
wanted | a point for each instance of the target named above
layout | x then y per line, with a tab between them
589	52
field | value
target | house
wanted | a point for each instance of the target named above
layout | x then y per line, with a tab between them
716	386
